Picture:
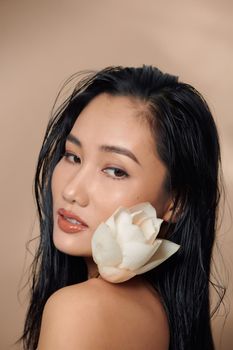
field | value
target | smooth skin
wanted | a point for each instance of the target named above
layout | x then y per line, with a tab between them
92	181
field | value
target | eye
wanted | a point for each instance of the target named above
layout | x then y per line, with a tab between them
116	173
71	158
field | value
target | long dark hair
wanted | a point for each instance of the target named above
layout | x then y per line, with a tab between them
187	143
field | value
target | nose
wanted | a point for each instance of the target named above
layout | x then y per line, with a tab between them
76	189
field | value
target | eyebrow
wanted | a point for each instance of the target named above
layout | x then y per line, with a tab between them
106	148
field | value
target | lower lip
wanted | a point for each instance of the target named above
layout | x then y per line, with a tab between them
68	227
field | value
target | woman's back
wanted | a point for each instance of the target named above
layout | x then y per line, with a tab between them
99	315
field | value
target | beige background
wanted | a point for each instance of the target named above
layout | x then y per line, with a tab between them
42	43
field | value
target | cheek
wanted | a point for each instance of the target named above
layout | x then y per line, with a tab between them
144	191
108	201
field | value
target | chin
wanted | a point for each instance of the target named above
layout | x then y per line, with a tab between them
72	244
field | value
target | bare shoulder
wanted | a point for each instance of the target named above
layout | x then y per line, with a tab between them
99	315
71	319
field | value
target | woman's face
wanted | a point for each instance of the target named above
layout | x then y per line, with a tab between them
110	161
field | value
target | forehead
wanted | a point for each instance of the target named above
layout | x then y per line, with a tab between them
117	120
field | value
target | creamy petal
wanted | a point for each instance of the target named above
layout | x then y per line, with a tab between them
150	228
105	249
145	216
138	217
115	275
111	221
130	233
136	254
165	250
122	218
111	224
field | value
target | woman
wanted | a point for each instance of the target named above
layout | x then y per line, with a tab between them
125	136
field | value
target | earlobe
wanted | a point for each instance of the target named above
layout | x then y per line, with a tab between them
170	215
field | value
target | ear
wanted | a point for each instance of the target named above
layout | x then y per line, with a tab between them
169	214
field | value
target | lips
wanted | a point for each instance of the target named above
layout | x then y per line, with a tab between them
69	222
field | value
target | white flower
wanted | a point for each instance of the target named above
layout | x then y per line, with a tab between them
125	245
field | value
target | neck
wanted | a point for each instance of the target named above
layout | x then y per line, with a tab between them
91	267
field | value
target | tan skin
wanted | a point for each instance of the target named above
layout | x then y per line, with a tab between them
92	183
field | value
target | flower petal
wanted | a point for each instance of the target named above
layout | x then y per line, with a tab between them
126	231
122	218
130	233
105	250
111	221
165	250
145	216
150	228
111	224
115	275
136	254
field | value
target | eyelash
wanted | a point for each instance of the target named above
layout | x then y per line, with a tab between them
76	159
